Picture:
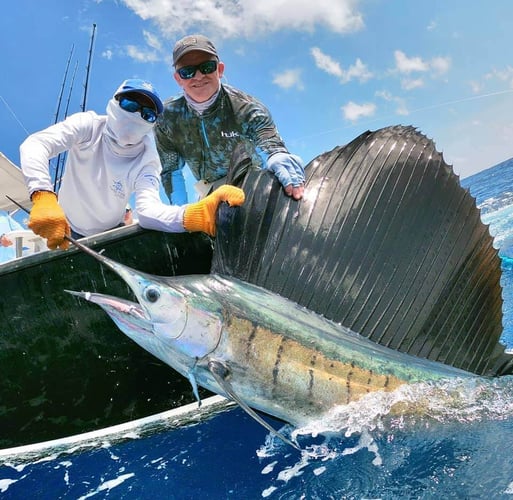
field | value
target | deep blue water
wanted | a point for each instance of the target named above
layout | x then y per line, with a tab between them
457	446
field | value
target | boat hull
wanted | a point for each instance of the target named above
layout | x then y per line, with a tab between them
64	367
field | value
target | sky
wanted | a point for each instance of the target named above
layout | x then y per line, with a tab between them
328	70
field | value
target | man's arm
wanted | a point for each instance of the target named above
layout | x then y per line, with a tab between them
40	147
199	216
259	126
47	218
172	175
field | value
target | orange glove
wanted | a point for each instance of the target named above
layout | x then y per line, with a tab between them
5	241
201	216
47	219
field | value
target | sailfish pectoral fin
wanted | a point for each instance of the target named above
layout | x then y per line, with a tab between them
220	373
194	384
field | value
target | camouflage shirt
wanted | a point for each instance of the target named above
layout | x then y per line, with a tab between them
206	142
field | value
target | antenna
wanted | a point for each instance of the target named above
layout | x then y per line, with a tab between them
83	107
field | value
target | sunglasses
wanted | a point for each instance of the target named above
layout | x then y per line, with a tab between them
148	114
187	72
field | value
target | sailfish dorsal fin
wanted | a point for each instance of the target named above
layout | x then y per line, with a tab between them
385	242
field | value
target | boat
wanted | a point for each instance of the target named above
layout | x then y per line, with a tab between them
12	186
64	367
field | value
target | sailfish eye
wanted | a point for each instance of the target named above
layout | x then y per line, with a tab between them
152	294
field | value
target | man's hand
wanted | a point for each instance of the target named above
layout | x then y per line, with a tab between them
47	219
201	216
289	170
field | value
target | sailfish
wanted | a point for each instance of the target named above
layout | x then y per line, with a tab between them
383	275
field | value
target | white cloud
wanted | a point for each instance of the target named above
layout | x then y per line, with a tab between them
353	111
288	79
232	18
410	83
476	87
141	55
505	75
107	54
326	63
401	108
151	52
385	94
488	82
358	71
432	26
440	65
152	40
406	64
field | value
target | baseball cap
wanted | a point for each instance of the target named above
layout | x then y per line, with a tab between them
190	43
142	87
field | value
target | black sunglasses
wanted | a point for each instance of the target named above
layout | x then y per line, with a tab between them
148	114
187	72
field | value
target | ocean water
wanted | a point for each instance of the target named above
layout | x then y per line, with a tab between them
454	440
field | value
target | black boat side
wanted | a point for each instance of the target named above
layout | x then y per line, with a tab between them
64	367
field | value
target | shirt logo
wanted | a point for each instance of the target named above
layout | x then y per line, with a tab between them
229	135
117	189
153	180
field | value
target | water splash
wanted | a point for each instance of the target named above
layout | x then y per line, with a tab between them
367	427
452	400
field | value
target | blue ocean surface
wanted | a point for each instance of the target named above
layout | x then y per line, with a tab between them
452	439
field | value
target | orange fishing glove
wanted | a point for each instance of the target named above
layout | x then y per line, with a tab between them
201	216
47	219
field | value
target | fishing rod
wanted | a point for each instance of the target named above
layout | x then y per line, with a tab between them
70	90
88	69
59	100
61	158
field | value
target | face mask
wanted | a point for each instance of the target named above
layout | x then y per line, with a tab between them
123	127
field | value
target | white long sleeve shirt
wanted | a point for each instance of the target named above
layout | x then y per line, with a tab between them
102	170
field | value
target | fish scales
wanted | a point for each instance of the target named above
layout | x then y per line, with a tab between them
286	366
